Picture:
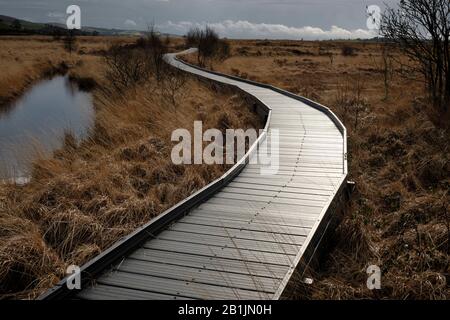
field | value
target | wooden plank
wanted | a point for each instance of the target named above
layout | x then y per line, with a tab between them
259	205
200	276
297	163
263	216
266	199
248	225
256	168
211	263
287	189
270	211
279	192
104	292
302	186
298	173
239	233
176	287
220	252
332	182
220	241
311	154
329	148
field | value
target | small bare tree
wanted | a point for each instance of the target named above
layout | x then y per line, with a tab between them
209	45
349	99
172	84
421	29
193	37
155	49
126	66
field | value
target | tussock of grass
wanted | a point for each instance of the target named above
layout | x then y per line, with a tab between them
27	262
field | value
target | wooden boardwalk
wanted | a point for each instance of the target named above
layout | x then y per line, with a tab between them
245	240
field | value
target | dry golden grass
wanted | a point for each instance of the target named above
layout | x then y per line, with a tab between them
25	60
90	194
399	157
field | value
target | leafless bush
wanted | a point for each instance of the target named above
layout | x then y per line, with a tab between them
155	49
193	37
133	64
127	66
209	45
349	99
421	28
172	84
348	51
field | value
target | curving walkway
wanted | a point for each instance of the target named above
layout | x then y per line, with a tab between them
245	241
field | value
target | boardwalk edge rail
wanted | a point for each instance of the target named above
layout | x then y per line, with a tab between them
97	265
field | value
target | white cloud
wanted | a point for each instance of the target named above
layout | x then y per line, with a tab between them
248	30
130	23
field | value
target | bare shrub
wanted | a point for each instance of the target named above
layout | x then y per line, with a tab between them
348	51
349	99
193	37
126	66
155	49
172	85
421	28
209	45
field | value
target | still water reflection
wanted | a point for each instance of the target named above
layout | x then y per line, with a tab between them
36	123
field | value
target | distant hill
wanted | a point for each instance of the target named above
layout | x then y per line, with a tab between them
7	22
11	25
14	26
102	31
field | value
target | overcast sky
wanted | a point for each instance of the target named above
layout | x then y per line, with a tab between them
294	19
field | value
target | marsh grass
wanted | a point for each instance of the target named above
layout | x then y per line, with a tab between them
90	193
